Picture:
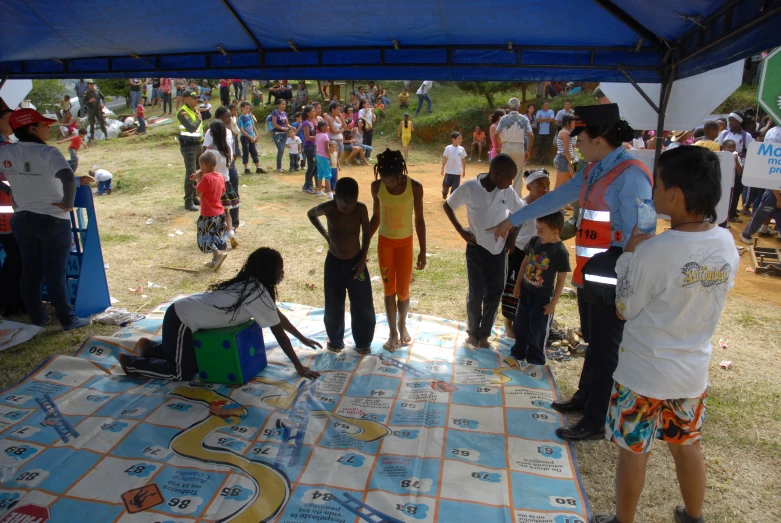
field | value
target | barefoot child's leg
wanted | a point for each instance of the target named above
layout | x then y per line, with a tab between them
390	311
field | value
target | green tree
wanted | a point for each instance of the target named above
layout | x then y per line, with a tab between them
118	87
45	93
488	89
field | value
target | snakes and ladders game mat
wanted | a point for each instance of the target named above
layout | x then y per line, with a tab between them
432	432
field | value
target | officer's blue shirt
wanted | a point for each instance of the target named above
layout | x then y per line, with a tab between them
620	196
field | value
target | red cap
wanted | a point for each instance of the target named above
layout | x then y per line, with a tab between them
24	117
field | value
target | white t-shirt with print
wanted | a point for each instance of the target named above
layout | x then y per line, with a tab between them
455	155
30	169
726	134
200	311
672	291
485	209
292	145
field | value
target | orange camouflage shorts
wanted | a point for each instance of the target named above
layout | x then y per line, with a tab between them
634	421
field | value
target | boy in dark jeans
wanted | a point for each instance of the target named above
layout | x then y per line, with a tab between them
249	137
345	266
546	260
488	199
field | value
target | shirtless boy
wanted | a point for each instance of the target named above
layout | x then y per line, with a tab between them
345	266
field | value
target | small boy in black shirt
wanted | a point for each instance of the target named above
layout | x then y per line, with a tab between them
547	259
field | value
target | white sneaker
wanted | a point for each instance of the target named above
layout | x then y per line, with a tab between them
231	233
747	241
330	196
764	229
320	193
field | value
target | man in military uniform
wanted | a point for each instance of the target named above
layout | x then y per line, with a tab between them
190	143
93	101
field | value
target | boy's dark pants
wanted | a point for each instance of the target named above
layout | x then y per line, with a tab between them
174	359
603	331
339	282
485	275
531	327
248	147
141	124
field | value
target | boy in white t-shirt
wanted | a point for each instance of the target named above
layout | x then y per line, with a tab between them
293	146
453	164
671	291
489	199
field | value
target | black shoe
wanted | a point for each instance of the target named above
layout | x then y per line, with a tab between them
108	191
681	516
579	433
196	201
604	518
567	406
247	171
191	207
260	171
735	219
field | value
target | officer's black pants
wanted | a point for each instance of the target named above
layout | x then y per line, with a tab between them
602	330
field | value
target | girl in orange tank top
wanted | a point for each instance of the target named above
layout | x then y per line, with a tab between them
397	199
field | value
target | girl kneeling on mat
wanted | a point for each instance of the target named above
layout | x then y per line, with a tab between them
252	293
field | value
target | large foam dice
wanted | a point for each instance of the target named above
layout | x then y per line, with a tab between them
230	355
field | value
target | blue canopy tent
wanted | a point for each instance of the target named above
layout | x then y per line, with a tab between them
588	40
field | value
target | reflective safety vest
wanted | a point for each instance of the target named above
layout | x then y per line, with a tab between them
595	231
198	134
6	212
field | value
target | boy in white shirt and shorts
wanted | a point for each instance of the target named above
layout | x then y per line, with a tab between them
671	290
453	164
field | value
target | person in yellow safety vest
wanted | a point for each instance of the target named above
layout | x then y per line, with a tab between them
190	144
607	191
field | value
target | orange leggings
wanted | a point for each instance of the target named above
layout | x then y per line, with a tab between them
395	257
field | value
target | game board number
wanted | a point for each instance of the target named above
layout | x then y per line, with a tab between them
410	406
538	403
128	412
179	503
178	406
239	430
27	476
572	520
8	503
261	450
327	496
16	399
350	458
338	425
233	492
536	415
432	368
16	451
564	502
465	362
483	390
409	484
21	431
377	393
152	451
226	442
460	452
135	469
480	475
273	433
98	352
407	509
402	433
370	417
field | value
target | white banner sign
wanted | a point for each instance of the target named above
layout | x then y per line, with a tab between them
763	165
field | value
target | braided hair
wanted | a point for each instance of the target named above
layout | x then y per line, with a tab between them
259	273
390	163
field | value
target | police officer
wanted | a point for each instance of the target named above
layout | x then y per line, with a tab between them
93	101
190	143
607	191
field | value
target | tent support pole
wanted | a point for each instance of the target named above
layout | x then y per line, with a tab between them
639	89
243	25
668	78
624	17
2	82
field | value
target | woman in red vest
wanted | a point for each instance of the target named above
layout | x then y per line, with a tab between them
607	191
